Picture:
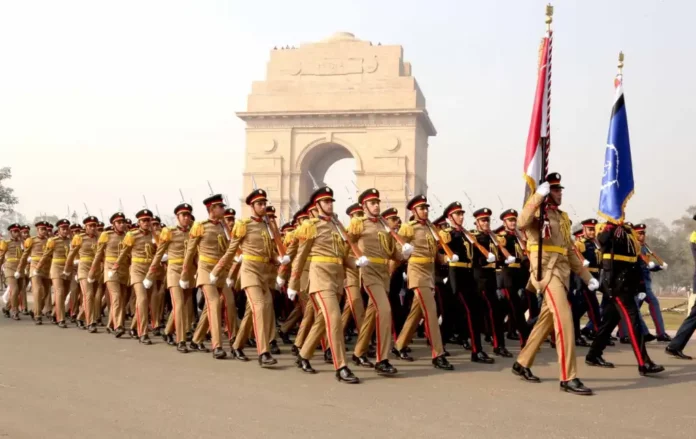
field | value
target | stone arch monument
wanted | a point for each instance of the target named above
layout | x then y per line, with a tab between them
330	100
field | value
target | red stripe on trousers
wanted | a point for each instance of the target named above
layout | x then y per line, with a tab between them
325	311
590	310
629	325
253	322
427	322
468	322
379	339
492	322
559	328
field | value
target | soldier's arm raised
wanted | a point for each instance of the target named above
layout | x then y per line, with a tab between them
528	217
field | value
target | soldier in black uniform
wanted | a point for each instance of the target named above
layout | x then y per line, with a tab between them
484	274
620	281
461	280
588	246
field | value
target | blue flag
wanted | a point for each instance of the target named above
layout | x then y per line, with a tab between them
617	179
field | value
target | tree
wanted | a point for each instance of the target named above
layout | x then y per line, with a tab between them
7	199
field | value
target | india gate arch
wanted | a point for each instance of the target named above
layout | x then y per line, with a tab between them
330	100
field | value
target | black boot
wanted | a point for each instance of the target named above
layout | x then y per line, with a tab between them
145	340
304	365
295	351
649	337
38	321
219	353
466	345
200	347
62	324
598	361
6	313
580	341
575	386
119	332
133	333
181	347
481	357
502	352
362	361
285	337
15	316
664	338
525	373
265	359
677	354
344	374
442	363
156	332
625	340
403	355
328	357
385	368
239	355
650	368
275	350
169	339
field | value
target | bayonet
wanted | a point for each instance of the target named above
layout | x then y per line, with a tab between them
210	187
315	186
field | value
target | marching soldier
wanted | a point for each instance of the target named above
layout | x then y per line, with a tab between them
377	244
109	248
34	248
322	244
420	235
557	260
157	277
461	278
172	244
486	280
302	304
24	275
255	240
589	248
56	252
207	243
82	249
397	281
354	304
138	245
621	277
10	254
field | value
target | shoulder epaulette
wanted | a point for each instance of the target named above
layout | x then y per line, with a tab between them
445	236
308	229
356	227
289	237
197	229
693	237
600	227
240	228
165	234
129	239
104	237
77	239
3	245
28	242
51	242
406	229
474	232
501	240
580	245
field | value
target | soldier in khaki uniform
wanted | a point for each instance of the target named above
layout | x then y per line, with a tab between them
10	254
322	244
82	249
158	284
172	244
207	243
109	248
40	283
24	275
74	292
55	256
292	244
421	271
139	245
558	259
254	238
354	302
101	298
377	244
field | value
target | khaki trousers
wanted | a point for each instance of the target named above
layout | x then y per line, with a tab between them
75	299
40	288
229	309
23	303
354	306
327	323
88	301
378	314
555	314
293	318
142	306
97	301
178	321
258	317
423	307
157	303
117	301
47	303
307	318
13	304
211	319
60	287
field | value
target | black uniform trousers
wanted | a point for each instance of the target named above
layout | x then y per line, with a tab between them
400	307
486	282
617	308
587	303
686	330
514	280
468	304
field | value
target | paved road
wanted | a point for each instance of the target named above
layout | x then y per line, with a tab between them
70	384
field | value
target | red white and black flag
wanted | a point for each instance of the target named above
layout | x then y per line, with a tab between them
539	138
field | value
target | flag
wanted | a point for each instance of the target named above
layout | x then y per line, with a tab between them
617	178
538	139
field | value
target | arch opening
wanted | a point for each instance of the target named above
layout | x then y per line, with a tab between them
330	164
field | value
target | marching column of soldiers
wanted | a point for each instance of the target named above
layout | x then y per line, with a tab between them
249	283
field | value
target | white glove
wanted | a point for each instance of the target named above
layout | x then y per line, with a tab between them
490	258
444	281
404	275
362	261
165	257
76	280
544	189
285	260
593	284
585	263
29	259
237	258
147	283
17	275
76	262
66	275
90	280
228	282
455	258
292	294
651	265
213	278
664	265
109	274
184	284
439	320
642	296
279	282
510	260
34	273
406	250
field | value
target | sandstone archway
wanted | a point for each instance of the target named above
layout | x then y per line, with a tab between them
330	100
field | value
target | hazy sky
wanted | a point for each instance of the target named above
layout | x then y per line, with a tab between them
101	100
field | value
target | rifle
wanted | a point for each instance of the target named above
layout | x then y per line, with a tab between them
384	224
436	236
658	259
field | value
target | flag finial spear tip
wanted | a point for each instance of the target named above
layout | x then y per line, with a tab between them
621	62
549	15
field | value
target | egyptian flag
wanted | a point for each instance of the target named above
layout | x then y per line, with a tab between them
617	177
538	139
